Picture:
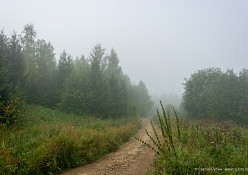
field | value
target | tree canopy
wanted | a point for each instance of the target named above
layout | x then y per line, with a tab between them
216	94
95	85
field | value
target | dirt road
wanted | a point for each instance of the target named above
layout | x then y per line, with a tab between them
132	158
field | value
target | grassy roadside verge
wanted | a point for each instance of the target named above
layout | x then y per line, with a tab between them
199	147
206	147
50	141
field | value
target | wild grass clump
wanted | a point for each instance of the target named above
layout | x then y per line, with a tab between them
50	141
199	147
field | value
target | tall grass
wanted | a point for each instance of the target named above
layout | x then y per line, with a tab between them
50	141
198	147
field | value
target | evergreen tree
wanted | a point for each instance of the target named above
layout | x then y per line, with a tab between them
144	101
75	94
65	68
4	79
140	97
45	74
113	67
117	93
243	94
15	62
97	83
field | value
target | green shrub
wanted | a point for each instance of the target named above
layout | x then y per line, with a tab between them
10	112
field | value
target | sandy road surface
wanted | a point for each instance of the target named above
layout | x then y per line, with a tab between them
132	158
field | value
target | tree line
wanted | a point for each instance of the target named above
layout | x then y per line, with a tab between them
95	85
217	94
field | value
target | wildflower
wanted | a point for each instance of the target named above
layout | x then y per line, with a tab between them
212	142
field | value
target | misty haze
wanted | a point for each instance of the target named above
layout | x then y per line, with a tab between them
123	87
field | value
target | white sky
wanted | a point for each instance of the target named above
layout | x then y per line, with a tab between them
158	41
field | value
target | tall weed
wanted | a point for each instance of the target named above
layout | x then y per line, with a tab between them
198	147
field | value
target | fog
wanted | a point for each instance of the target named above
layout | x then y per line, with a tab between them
160	42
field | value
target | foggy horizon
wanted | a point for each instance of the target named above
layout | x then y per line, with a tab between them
158	42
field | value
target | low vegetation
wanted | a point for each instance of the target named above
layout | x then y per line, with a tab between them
199	147
50	141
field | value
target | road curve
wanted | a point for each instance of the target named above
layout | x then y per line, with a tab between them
132	158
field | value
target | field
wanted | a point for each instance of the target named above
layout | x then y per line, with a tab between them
199	147
50	141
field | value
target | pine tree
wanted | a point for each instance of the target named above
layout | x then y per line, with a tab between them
97	83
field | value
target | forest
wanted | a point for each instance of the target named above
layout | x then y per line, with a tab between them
94	85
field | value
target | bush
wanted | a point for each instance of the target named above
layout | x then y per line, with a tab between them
10	112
